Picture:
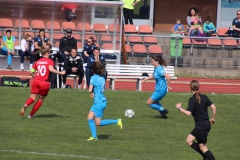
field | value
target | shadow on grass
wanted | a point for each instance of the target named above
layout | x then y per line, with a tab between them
103	136
49	116
158	117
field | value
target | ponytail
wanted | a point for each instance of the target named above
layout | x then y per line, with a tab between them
194	85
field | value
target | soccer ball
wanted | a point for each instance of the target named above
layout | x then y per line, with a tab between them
129	113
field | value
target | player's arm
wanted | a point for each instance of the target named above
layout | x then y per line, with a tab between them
32	72
214	111
184	111
90	90
168	77
51	69
148	78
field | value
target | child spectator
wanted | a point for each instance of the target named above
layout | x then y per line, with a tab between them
208	27
178	27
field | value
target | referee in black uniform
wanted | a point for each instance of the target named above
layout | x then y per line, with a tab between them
198	106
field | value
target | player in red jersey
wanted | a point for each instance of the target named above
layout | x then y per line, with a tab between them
41	83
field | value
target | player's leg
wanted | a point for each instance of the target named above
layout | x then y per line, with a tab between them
99	114
207	153
91	124
153	101
29	101
43	92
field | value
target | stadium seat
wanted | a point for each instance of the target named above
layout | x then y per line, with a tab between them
150	40
130	29
128	48
86	36
187	41
57	36
87	27
4	22
144	29
154	49
77	36
199	43
221	32
214	42
99	27
30	33
135	39
230	42
79	45
24	24
111	28
106	38
139	48
47	35
109	46
56	25
57	44
66	25
118	39
37	24
17	42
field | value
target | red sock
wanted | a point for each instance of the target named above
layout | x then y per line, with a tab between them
36	107
29	101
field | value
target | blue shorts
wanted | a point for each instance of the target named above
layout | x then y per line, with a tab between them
157	96
98	109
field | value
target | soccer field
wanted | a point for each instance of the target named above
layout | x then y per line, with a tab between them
59	130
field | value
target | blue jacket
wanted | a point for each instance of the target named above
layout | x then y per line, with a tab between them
91	60
177	25
207	27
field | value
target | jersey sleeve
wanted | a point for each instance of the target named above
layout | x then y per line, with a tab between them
34	67
51	63
161	72
191	105
92	81
233	22
209	103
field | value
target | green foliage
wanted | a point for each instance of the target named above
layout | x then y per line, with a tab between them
59	130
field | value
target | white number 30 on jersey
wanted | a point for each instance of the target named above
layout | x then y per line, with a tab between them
41	70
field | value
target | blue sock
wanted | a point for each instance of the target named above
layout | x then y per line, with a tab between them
162	107
92	127
9	59
157	107
106	122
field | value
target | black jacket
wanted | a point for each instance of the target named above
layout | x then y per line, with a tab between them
67	44
71	62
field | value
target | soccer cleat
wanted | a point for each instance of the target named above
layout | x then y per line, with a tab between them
163	114
79	86
63	86
29	117
119	123
22	112
92	139
22	68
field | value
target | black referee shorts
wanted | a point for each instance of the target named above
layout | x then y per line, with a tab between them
201	131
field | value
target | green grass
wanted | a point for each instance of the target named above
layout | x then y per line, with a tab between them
60	129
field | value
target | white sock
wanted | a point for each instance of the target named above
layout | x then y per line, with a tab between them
30	66
21	64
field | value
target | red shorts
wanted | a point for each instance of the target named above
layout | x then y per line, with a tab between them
40	87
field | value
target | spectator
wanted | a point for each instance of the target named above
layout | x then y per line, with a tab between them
67	43
191	18
27	47
236	25
128	7
88	49
56	57
73	65
69	12
8	47
208	27
40	41
178	27
95	57
144	10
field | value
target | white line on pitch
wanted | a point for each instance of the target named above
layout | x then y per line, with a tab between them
54	154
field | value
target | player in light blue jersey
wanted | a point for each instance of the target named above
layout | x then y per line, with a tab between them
161	87
96	90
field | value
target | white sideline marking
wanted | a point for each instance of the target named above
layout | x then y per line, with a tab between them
54	154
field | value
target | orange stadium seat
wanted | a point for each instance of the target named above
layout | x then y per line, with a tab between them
4	22
202	43
77	36
24	24
150	40
99	27
118	39
221	32
87	27
57	36
230	42
17	42
139	48
56	25
155	49
135	39
144	29
187	41
130	29
66	25
79	45
106	38
30	33
214	42
109	46
128	48
86	36
57	44
111	28
37	24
